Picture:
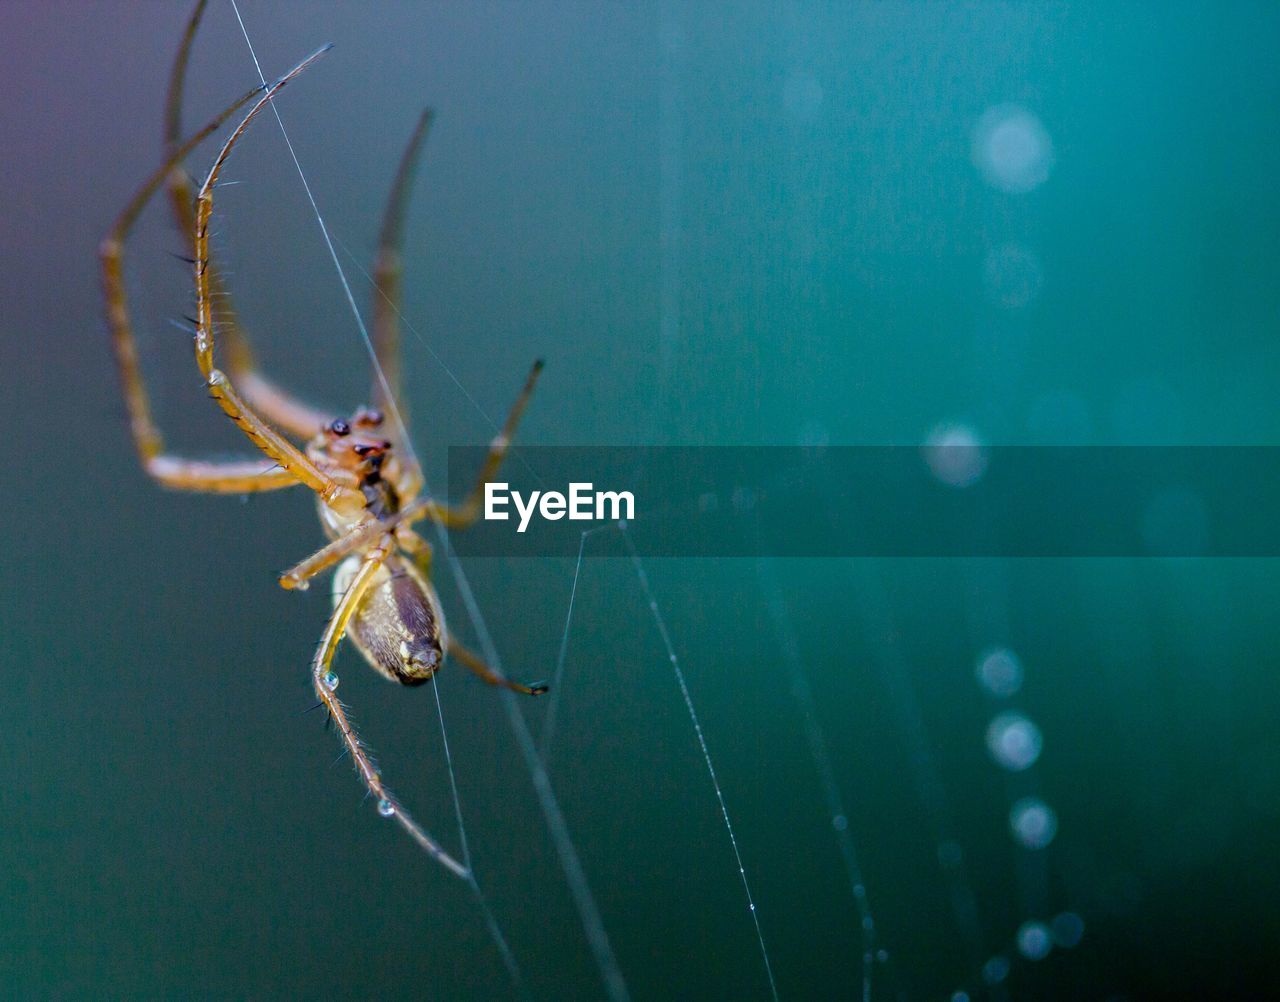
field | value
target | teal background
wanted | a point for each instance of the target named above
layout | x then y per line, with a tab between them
707	250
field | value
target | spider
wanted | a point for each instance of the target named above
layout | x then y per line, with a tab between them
367	483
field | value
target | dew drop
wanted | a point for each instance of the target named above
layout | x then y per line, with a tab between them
386	808
330	681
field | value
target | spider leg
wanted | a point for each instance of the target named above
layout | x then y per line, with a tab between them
325	685
299	575
387	270
185	474
418	549
257	430
461	515
475	664
275	404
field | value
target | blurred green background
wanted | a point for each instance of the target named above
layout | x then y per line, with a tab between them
766	224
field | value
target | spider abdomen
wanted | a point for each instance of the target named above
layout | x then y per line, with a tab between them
398	627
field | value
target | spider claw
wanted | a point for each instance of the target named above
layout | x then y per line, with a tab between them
540	688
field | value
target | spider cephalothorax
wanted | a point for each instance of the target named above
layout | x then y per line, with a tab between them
353	450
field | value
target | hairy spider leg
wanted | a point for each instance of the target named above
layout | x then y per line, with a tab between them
347	606
277	405
387	270
340	498
233	477
459	516
476	665
361	536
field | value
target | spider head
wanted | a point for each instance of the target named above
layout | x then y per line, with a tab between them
353	443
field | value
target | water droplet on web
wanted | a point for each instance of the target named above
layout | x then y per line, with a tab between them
386	808
330	681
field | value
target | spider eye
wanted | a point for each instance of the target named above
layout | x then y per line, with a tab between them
374	418
340	427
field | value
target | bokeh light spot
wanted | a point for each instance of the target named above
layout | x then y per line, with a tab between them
1034	940
995	970
1012	149
1068	929
1014	741
1033	823
999	672
955	455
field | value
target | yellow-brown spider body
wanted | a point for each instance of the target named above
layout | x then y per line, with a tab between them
398	626
366	479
